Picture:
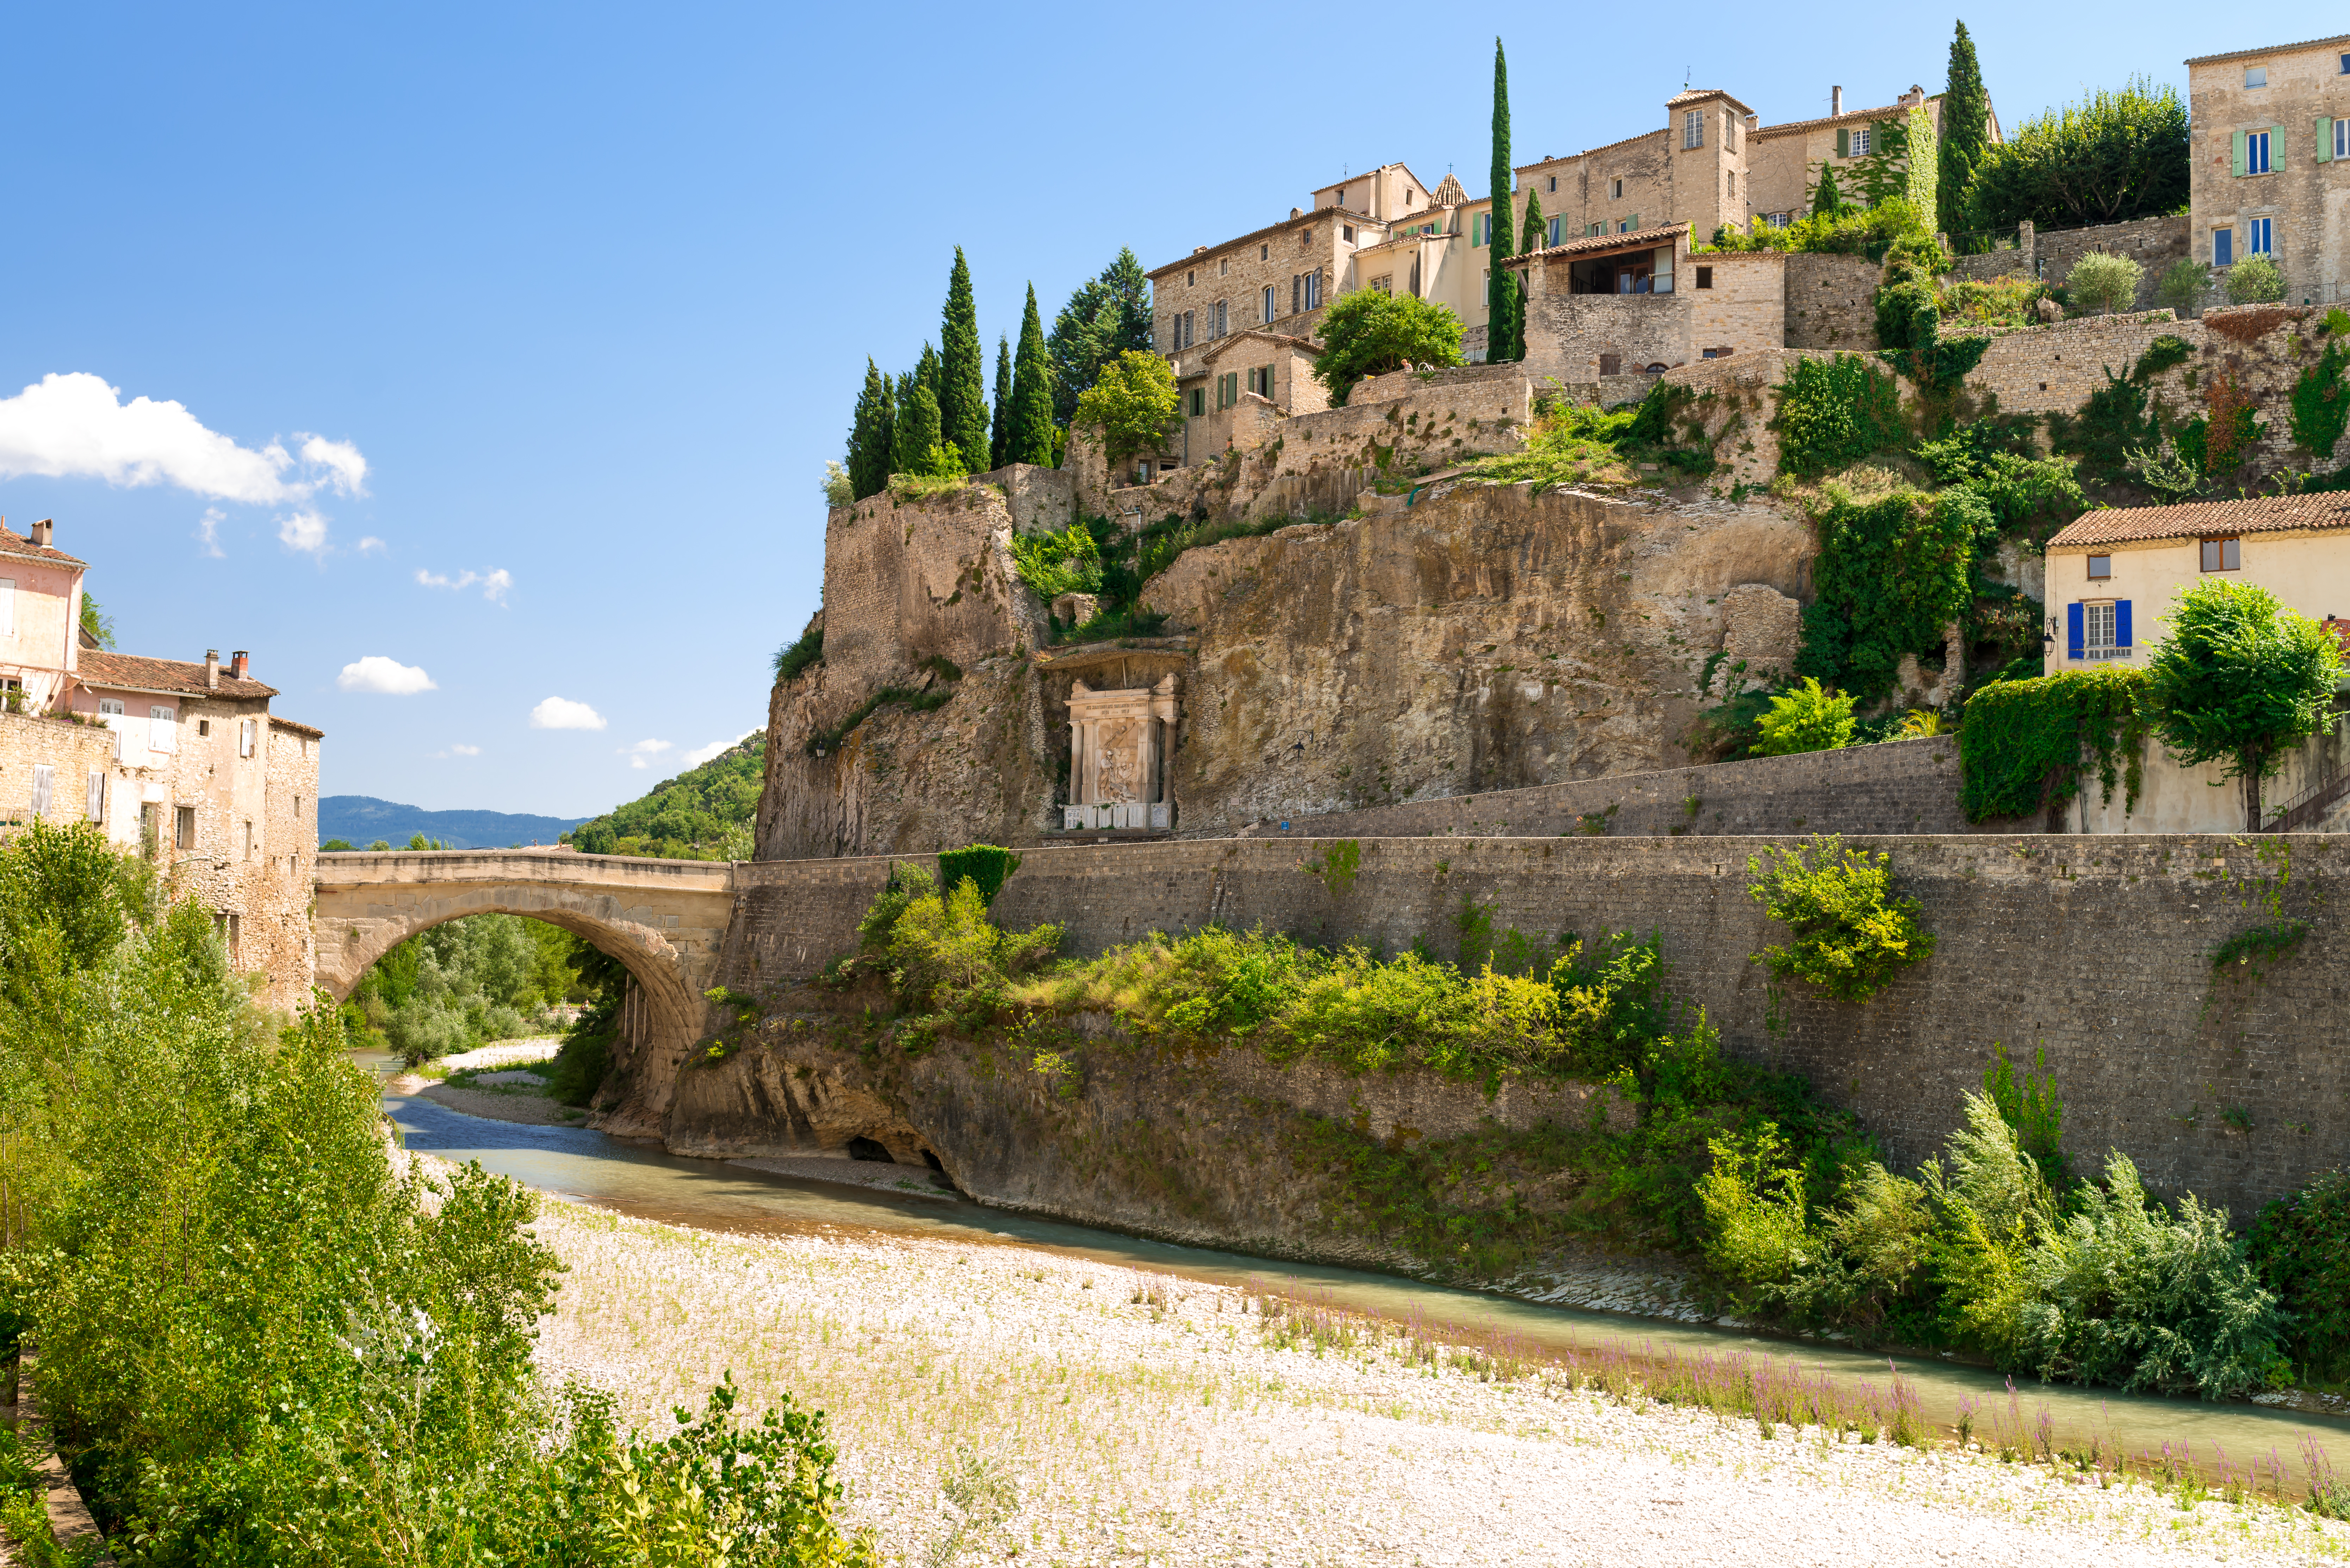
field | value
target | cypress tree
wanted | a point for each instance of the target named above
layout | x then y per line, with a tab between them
926	369
1532	237
1966	116
962	389
999	429
869	436
1501	311
1030	435
917	430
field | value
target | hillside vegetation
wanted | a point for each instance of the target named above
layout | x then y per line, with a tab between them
702	814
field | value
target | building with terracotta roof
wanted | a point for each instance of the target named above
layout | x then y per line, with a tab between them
2111	574
179	760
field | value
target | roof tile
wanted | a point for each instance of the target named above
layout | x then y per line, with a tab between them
2197	519
128	670
14	543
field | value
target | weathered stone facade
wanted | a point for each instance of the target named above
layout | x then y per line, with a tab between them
69	750
1831	301
2270	162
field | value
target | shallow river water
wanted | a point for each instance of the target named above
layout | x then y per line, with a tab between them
631	1179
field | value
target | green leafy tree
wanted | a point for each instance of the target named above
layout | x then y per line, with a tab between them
2116	155
1966	132
95	623
2241	679
1369	331
2255	280
1106	315
1501	303
2184	283
1805	718
2106	281
871	436
962	389
1132	403
999	429
836	489
1030	436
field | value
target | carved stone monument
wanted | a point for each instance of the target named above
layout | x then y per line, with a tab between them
1118	757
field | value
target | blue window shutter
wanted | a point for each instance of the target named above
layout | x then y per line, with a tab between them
2073	639
2122	624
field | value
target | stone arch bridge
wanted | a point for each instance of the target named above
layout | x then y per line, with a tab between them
665	920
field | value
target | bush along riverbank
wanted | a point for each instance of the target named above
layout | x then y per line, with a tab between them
267	1337
1534	1105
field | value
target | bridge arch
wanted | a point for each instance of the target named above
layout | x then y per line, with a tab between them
664	920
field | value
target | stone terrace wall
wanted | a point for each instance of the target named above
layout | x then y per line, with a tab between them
2040	370
1831	301
1901	786
1042	500
2096	950
2153	243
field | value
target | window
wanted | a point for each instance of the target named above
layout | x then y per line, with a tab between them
1191	330
2342	139
1778	220
183	827
162	734
2223	247
1591	229
2345	65
7	607
1223	265
1860	142
1555	229
1199	402
1342	196
1488	298
2100	567
2255	158
1190	278
1616	193
1313	290
1220	318
204	728
1409	195
247	737
2223	555
1705	277
2256	76
2099	628
248	838
2258	233
1554	181
1480	226
1730	177
1266	308
1694	129
1383	284
1264	252
1260	381
1611	364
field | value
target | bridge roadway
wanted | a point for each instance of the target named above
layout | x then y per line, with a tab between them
665	920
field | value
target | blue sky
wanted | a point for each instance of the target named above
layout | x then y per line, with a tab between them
582	296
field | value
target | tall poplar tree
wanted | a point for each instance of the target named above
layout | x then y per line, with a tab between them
962	370
869	435
1501	309
1966	131
998	429
1030	436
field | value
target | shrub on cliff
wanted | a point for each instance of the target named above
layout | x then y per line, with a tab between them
2255	280
1850	936
1804	718
1133	405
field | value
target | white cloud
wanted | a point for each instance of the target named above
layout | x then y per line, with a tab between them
700	754
304	531
562	714
459	750
208	531
389	676
494	585
74	426
642	754
372	546
345	468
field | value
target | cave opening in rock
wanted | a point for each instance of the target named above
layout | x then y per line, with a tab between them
866	1148
933	1161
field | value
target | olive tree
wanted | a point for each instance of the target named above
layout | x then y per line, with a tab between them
2255	281
2106	281
2241	679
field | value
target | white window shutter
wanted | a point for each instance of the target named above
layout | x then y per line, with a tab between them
7	607
95	808
45	779
162	730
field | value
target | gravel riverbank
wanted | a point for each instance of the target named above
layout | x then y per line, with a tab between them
1146	1419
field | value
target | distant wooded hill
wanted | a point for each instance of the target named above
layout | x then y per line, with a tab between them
360	819
703	814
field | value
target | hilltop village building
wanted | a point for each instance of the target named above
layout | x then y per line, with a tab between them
1239	320
2270	162
179	760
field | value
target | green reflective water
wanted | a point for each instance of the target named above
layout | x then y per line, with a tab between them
631	1178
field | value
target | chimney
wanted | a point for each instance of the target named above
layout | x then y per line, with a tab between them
43	531
211	669
1836	100
237	662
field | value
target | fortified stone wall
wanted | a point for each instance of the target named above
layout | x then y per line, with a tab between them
2095	950
1900	786
1041	500
2040	369
1832	301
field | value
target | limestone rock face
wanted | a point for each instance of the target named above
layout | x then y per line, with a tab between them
1486	639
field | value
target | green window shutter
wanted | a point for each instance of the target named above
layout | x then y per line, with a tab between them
1843	143
2325	138
2236	154
2277	147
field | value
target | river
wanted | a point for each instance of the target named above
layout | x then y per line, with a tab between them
587	1167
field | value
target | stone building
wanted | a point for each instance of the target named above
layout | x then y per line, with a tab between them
181	760
2269	172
